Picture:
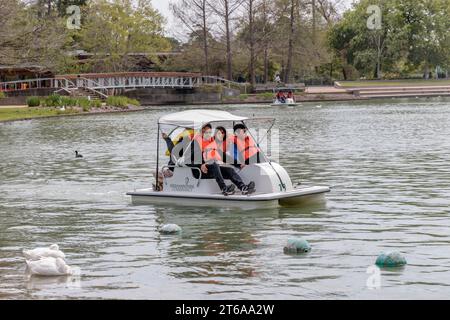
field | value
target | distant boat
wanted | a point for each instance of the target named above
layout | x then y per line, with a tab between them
284	97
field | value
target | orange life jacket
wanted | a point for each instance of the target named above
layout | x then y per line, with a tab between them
247	147
209	148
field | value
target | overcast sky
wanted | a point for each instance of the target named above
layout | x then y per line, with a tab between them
163	7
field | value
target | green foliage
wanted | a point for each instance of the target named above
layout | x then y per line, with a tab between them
30	37
266	95
68	101
121	102
96	103
413	34
243	96
33	101
118	27
2	95
54	100
84	103
29	113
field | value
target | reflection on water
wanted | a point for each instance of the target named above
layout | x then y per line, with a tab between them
387	162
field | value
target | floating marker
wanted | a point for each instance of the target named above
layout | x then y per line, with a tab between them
297	245
170	229
390	259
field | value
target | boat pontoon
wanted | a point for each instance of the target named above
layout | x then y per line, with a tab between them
185	185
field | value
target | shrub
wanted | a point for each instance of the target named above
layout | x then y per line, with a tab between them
33	101
243	96
84	103
96	103
134	102
53	101
2	95
68	101
121	102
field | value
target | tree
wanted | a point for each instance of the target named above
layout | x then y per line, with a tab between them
413	34
292	17
194	15
191	59
225	10
29	39
113	30
425	28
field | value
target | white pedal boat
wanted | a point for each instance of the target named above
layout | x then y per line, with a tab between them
289	102
187	187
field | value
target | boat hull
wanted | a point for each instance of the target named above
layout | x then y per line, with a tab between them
285	104
294	197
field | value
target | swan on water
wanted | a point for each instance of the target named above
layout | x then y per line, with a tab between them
49	266
38	253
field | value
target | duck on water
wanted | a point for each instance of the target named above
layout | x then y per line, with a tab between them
183	180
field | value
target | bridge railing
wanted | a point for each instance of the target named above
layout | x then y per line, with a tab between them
47	83
137	82
102	83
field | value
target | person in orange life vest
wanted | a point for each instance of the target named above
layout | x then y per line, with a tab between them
278	96
212	163
245	148
223	144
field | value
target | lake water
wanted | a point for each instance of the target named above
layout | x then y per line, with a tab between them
388	163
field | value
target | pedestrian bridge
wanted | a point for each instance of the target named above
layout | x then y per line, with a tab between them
104	84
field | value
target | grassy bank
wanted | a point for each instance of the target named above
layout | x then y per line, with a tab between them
59	106
7	114
393	83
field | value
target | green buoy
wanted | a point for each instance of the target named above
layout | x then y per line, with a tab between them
390	259
297	245
170	229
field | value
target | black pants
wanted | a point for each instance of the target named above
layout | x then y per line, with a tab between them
221	173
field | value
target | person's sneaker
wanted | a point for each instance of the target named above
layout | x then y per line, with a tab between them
229	190
249	189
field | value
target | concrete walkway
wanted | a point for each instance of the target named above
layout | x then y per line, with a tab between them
324	90
13	107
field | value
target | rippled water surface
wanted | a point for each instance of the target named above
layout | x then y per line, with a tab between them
387	161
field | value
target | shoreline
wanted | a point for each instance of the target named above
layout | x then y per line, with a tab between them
136	109
231	102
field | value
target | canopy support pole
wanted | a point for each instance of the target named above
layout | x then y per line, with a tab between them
157	160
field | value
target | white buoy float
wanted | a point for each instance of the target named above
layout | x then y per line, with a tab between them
49	266
39	253
297	245
170	229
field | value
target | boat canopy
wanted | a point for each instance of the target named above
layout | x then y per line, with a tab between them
283	89
197	118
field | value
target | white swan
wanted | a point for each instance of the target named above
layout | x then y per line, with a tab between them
49	267
38	253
